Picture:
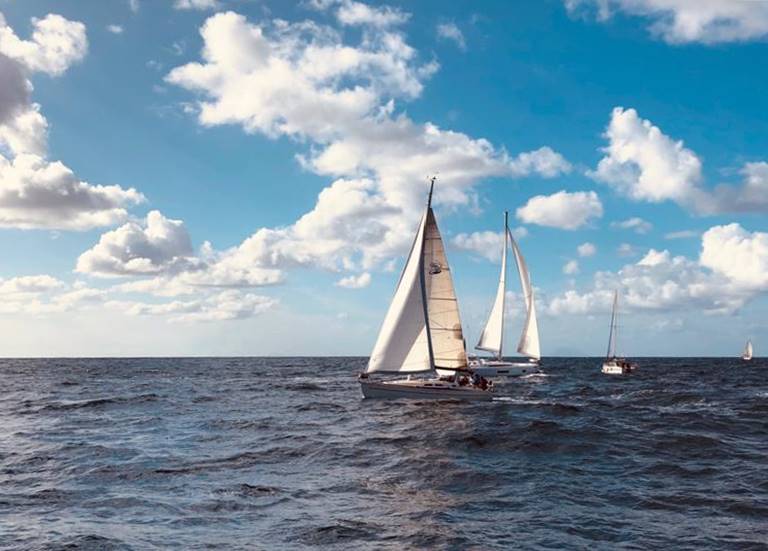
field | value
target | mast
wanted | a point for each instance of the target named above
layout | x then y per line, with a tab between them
503	282
612	335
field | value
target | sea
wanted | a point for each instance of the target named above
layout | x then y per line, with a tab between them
283	453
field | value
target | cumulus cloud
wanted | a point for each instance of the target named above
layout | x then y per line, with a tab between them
645	164
564	210
196	4
685	21
571	267
35	193
44	294
56	43
115	29
226	305
486	244
732	269
625	249
450	31
638	225
355	282
161	245
304	81
586	249
737	254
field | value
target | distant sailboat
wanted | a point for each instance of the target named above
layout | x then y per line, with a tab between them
747	354
614	365
421	333
492	337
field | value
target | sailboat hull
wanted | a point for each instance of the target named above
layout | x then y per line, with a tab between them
618	367
502	370
423	389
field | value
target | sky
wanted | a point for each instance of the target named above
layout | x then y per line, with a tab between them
245	177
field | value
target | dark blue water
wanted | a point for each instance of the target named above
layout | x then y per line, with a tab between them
283	454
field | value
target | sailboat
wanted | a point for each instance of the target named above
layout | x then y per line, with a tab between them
492	337
614	365
421	333
747	354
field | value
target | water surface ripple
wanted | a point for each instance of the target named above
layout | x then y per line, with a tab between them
281	453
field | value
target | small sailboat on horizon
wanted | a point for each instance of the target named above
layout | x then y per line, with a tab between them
492	338
421	333
613	364
748	351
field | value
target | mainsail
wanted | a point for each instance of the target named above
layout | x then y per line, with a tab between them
422	328
442	307
492	337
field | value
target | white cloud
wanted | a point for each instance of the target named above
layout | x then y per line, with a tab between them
44	294
638	225
303	81
115	29
134	5
450	31
685	21
562	210
357	13
15	91
196	4
29	284
571	267
586	249
739	255
35	193
682	234
732	269
645	164
486	244
355	282
56	43
625	249
226	305
162	245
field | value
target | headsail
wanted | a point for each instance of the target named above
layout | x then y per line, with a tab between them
403	341
529	339
443	309
492	337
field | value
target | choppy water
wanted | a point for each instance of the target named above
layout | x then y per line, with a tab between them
283	454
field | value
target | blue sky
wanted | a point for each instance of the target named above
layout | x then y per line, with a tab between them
268	164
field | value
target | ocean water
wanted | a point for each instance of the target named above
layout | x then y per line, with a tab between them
259	453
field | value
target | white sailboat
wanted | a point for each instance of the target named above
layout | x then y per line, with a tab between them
421	333
492	337
614	365
748	351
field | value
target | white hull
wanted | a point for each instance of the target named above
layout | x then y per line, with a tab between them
501	370
422	389
746	358
618	367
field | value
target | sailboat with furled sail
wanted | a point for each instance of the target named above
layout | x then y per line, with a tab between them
421	333
492	337
613	364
